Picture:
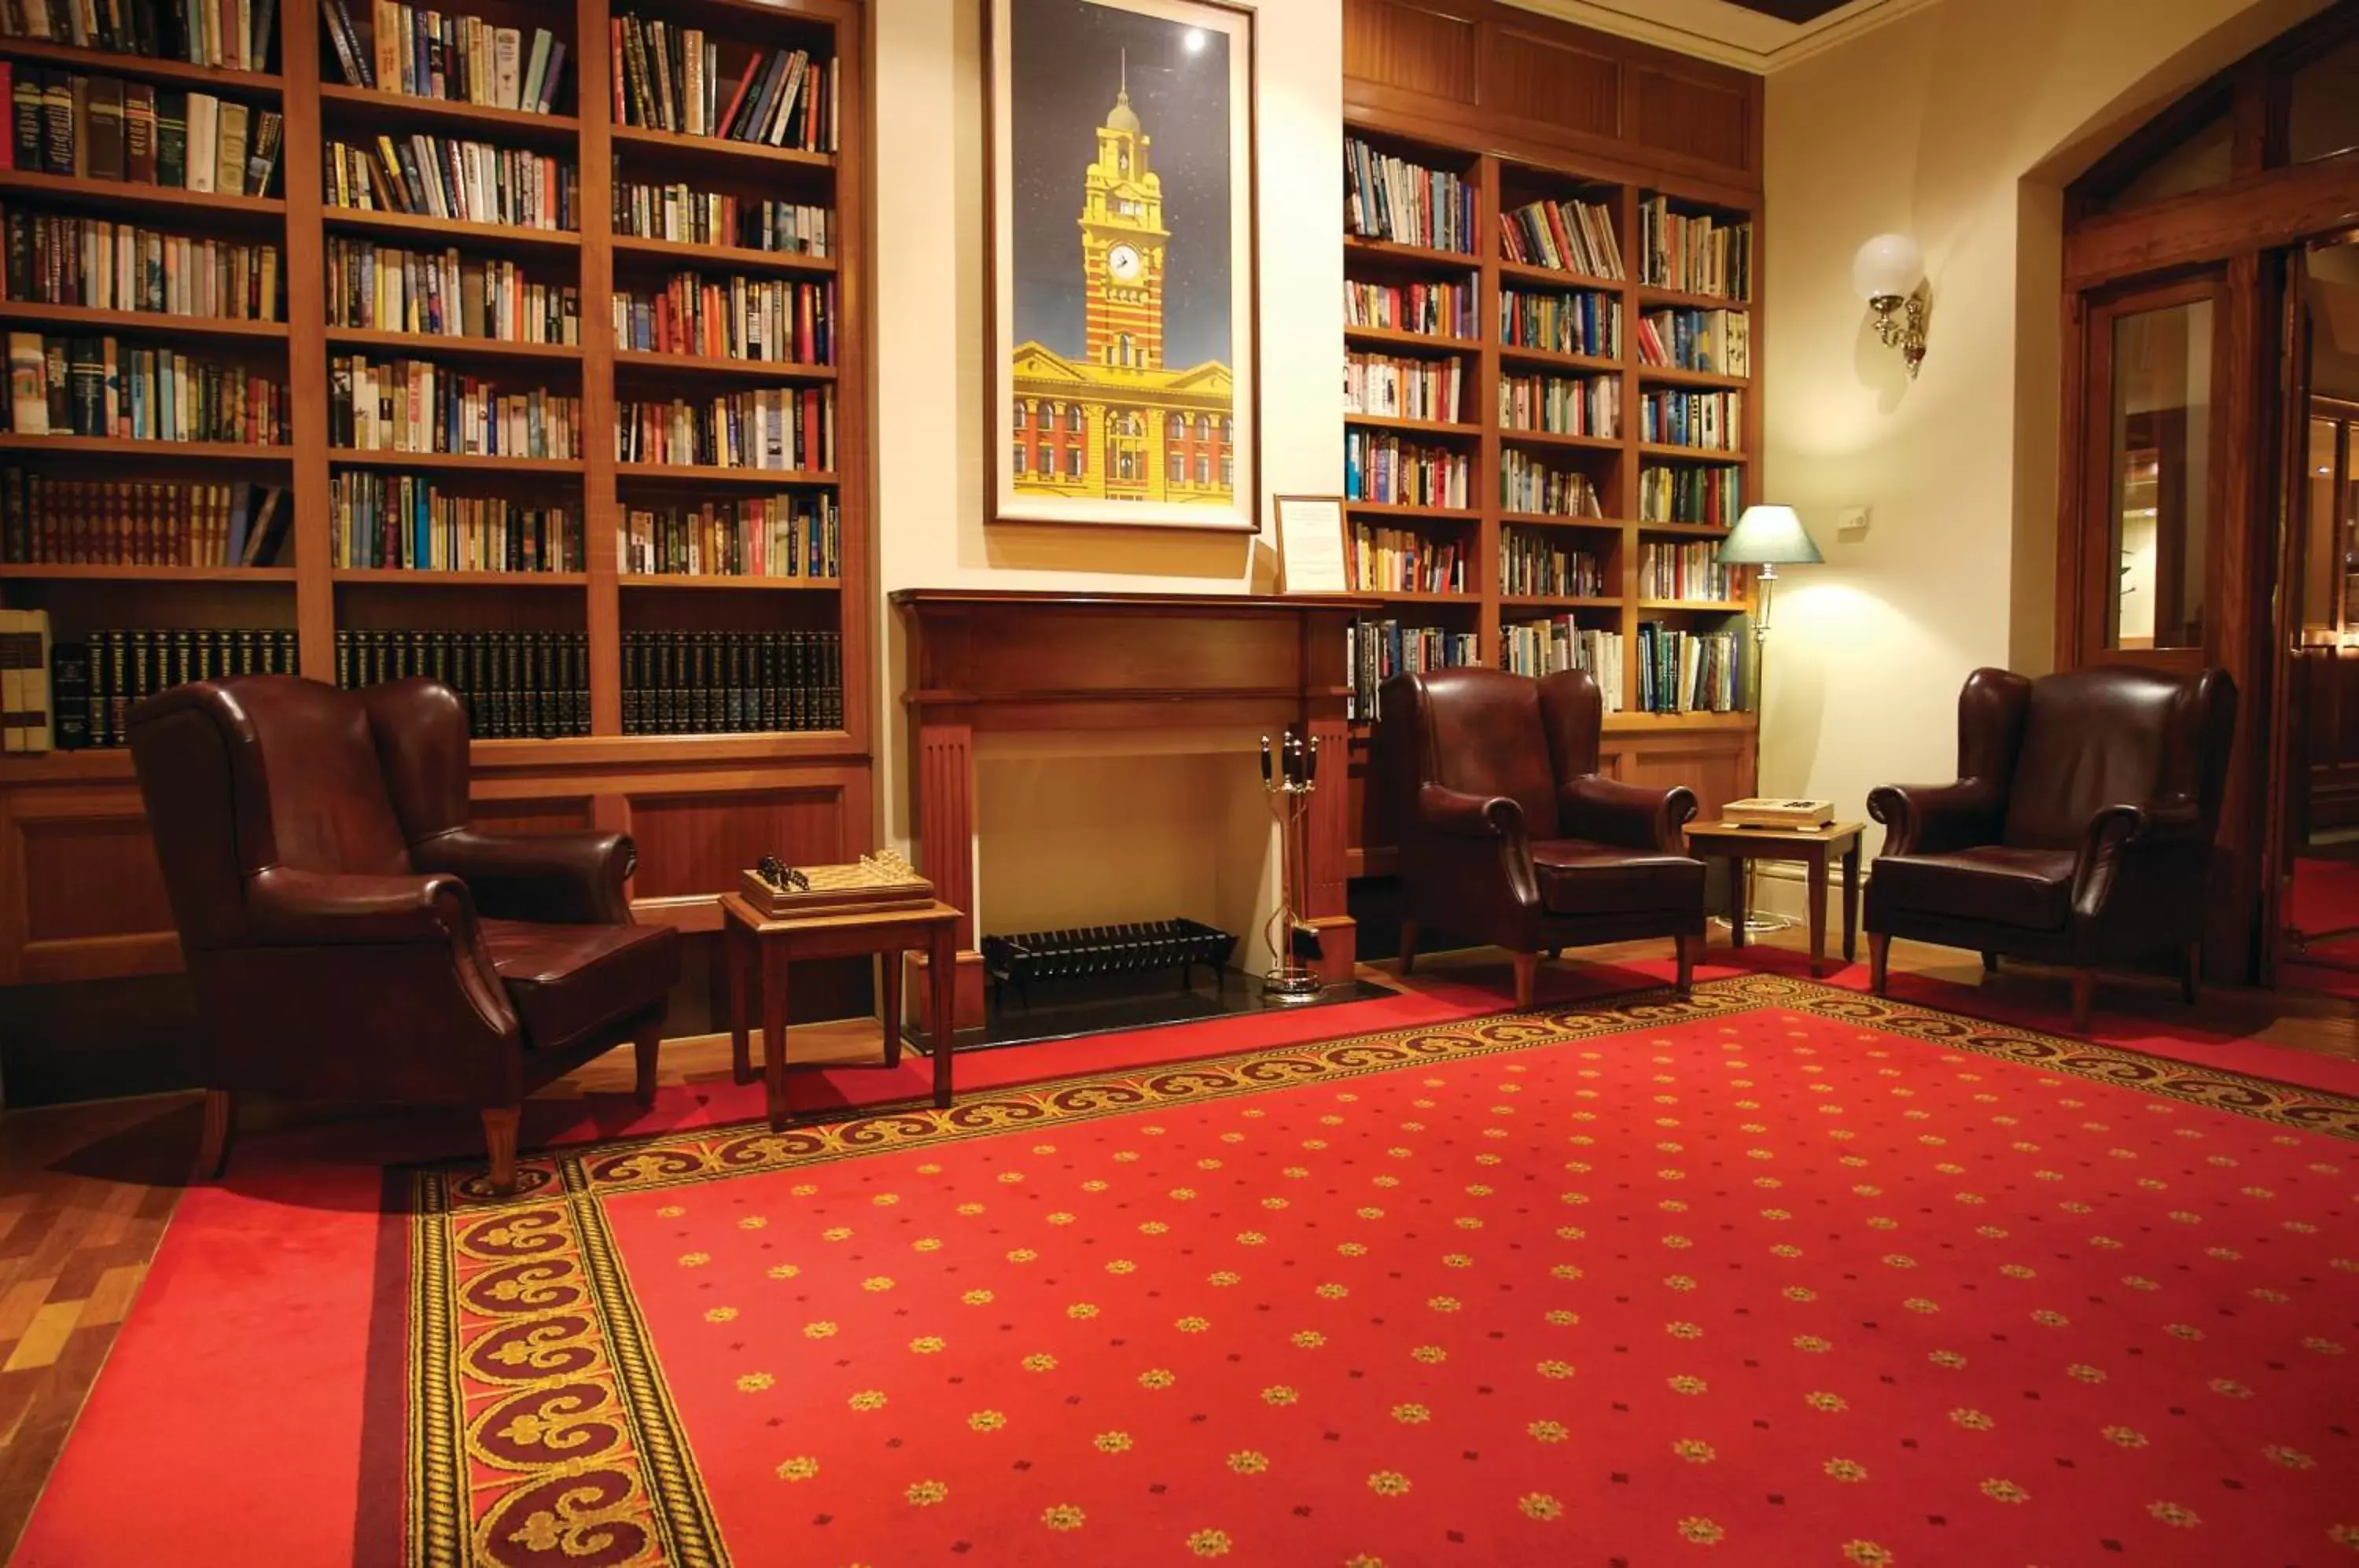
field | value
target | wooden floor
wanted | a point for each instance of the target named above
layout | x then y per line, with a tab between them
85	1190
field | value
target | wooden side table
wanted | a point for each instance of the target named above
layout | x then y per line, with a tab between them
1815	847
758	945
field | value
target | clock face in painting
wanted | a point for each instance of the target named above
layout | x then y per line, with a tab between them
1123	263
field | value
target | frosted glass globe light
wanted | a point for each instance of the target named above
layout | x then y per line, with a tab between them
1888	266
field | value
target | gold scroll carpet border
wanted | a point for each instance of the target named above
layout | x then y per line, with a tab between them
648	1498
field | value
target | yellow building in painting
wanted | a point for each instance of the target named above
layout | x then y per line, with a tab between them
1116	424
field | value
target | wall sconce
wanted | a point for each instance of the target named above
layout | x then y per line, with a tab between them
1889	274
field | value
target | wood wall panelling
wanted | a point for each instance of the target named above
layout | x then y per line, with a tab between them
692	844
1413	48
1557	84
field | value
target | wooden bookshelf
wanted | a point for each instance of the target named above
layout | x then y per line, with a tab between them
80	894
1514	145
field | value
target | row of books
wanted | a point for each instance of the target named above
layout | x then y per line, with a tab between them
1682	493
775	319
125	522
1688	572
437	54
776	429
1708	421
103	127
1568	321
452	179
415	405
57	260
1402	561
94	387
1698	254
96	680
705	682
515	685
1534	565
1561	405
1396	387
1387	471
1390	197
1566	236
1376	650
1682	672
410	522
1529	484
1718	342
231	36
1561	642
1441	309
668	78
26	723
782	536
380	288
680	212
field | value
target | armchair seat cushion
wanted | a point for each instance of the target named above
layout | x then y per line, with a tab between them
1577	876
566	981
2031	889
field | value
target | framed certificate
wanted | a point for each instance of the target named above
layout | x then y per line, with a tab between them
1313	545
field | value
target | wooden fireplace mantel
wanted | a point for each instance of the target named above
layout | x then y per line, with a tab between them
1008	661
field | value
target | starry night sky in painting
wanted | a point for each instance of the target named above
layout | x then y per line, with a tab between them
1065	66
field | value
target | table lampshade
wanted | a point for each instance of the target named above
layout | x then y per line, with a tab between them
1769	536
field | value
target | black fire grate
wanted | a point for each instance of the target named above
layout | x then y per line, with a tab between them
1098	951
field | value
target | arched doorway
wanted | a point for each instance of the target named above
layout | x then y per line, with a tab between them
2204	263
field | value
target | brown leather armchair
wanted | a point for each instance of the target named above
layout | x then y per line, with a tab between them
2079	832
1509	834
351	938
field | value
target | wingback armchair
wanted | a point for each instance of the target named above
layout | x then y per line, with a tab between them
1509	833
352	937
2079	832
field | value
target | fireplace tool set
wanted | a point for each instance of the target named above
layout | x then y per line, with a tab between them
1289	772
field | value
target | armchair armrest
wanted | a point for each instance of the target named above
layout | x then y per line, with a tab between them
2143	865
1632	815
2125	827
557	878
311	909
1929	818
1461	815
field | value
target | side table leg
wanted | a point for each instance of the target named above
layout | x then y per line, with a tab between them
1850	900
1818	912
889	1004
774	1030
1738	868
736	943
941	978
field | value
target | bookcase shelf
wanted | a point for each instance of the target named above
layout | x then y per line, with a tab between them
1512	436
144	323
1420	255
1556	278
1551	359
1421	342
1461	427
690	800
1715	607
1673	376
1648	295
142	68
1691	453
1436	513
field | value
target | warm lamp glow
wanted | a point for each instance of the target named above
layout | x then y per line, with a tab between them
1769	536
1888	266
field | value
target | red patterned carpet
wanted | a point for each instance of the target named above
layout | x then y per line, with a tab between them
1786	1276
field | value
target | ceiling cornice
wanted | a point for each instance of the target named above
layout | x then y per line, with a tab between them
1727	35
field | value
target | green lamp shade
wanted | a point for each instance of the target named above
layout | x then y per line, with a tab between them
1769	536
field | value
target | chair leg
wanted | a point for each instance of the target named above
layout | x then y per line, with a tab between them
2191	983
2084	994
1879	958
1528	968
213	1149
1687	945
1555	954
500	1138
644	1047
1408	934
1990	961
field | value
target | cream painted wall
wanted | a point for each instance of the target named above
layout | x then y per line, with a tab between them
1959	124
931	351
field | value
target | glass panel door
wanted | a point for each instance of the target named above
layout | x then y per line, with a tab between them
2160	466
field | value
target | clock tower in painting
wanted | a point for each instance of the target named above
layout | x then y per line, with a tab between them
1122	245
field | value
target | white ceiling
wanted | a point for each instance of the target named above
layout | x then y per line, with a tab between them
1713	29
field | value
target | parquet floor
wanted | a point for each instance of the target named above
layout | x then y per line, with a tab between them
86	1191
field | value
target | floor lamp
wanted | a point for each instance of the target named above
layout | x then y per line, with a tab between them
1768	538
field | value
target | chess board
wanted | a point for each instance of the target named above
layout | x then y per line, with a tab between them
879	881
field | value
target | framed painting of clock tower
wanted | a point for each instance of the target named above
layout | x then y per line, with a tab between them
1122	241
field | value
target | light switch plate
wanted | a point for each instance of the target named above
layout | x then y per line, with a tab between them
1851	523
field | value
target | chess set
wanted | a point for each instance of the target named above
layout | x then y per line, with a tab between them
875	882
1758	812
